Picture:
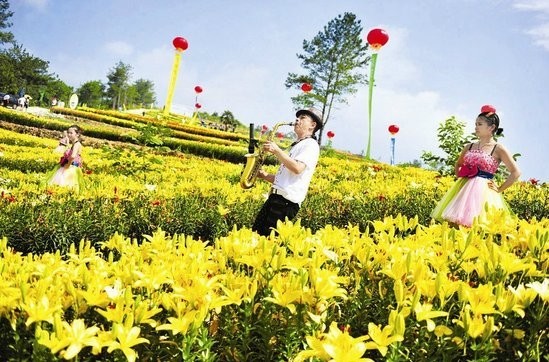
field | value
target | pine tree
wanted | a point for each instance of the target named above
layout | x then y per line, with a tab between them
334	61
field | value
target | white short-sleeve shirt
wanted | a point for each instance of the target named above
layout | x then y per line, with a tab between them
294	185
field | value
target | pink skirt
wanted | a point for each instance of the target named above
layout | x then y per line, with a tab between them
467	199
67	177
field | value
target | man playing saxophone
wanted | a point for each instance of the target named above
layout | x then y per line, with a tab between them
291	182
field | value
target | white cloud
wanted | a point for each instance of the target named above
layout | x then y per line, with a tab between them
76	70
119	48
394	67
155	65
539	33
417	114
533	5
37	4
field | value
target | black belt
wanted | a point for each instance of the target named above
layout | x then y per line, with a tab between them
485	174
282	194
278	192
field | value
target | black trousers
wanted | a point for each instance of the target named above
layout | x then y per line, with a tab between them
275	208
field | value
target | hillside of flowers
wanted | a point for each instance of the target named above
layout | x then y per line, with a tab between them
154	259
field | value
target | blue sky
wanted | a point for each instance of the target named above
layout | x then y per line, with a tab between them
444	58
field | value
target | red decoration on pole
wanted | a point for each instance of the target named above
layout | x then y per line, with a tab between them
198	89
330	134
180	43
377	38
393	129
197	106
306	87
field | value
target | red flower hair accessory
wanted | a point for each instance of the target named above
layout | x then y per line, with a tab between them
487	108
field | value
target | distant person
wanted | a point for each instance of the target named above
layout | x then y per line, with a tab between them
21	102
54	101
475	167
69	171
291	182
6	100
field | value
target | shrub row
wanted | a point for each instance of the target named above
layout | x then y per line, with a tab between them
50	223
83	116
233	154
181	129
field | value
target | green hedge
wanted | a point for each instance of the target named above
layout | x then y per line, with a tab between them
51	224
232	154
107	116
48	223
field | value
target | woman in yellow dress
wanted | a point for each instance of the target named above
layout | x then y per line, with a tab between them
69	171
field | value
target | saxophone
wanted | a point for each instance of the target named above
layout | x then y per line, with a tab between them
254	160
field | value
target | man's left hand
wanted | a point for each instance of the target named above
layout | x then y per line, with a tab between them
271	147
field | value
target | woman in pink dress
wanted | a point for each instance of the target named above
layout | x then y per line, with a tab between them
69	172
478	162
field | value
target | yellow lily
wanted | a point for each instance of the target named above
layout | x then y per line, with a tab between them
94	296
327	284
40	311
9	296
424	313
286	291
442	330
126	338
179	325
397	320
476	326
525	296
236	294
541	288
482	300
77	336
115	314
222	210
335	346
142	313
381	339
73	337
506	301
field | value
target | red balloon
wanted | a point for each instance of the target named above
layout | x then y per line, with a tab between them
393	129
330	134
377	38
198	89
265	127
306	87
197	106
180	43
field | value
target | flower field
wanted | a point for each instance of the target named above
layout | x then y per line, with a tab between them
154	260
